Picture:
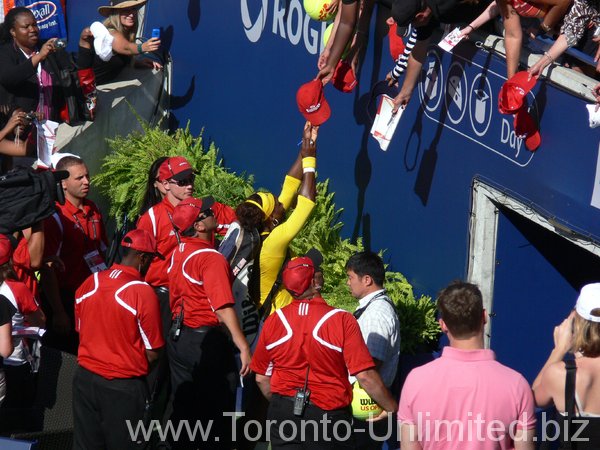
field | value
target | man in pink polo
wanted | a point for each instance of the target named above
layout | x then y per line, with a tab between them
465	399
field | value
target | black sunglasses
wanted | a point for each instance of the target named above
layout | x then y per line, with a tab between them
183	183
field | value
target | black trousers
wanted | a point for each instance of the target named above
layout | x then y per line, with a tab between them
101	408
159	380
203	385
316	429
68	342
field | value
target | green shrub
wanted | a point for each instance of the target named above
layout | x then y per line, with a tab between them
123	181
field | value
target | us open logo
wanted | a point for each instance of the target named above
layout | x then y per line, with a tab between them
42	11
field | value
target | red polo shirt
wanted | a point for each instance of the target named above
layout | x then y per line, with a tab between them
72	233
312	333
199	280
118	318
157	221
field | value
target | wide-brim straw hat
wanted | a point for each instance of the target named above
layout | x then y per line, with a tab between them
116	5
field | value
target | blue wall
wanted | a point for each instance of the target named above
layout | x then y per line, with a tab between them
237	81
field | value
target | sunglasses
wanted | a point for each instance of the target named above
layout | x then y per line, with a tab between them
183	183
206	214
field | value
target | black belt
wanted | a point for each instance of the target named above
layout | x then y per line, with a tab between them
204	329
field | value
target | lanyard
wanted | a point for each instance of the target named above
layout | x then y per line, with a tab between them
84	231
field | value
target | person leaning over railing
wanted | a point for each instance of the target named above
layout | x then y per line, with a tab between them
122	23
582	15
550	13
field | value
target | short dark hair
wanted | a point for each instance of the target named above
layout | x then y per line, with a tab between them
250	216
461	308
68	161
367	263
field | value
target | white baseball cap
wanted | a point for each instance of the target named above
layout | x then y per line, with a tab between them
588	301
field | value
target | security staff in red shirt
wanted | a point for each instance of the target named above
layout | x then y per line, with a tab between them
201	358
302	360
75	236
119	324
177	178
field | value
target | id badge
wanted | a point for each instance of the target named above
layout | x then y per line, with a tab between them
94	261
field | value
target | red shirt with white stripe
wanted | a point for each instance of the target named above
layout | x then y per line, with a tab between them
157	221
22	265
312	333
199	281
118	318
72	233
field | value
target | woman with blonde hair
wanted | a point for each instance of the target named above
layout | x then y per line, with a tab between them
574	386
122	20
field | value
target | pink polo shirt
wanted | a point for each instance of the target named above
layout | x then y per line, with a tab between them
467	400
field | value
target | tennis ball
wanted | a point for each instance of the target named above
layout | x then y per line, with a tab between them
362	405
327	35
317	10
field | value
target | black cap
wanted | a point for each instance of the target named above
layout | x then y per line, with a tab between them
404	11
316	257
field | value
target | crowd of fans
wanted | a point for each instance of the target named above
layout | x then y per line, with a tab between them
157	329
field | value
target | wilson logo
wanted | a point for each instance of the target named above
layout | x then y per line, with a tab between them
42	11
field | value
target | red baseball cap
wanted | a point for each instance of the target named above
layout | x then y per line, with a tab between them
526	128
298	274
187	211
176	168
6	249
343	78
514	91
142	241
396	42
312	103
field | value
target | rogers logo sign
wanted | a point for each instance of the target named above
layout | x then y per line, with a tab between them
288	20
42	11
255	28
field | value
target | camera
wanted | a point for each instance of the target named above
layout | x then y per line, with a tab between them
60	43
301	400
31	116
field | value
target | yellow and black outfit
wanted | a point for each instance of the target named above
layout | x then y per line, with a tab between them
275	245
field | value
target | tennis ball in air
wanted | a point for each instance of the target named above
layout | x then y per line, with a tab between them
327	35
317	10
362	405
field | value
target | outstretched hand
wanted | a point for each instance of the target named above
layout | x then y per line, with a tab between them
309	140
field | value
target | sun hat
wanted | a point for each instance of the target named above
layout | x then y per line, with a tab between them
312	103
117	5
588	301
142	241
297	275
187	211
